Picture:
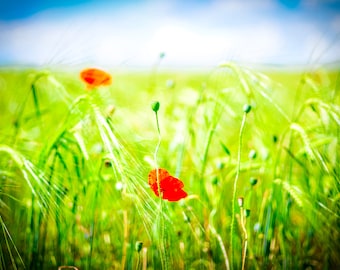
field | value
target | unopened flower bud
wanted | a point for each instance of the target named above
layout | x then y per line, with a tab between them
138	246
155	106
252	154
246	108
240	201
246	212
253	181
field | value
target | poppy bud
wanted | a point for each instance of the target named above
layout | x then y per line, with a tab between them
110	110
252	154
220	165
214	181
107	163
155	106
246	108
246	212
240	201
253	181
170	84
275	138
138	246
257	227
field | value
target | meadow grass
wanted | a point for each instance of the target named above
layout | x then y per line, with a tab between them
258	154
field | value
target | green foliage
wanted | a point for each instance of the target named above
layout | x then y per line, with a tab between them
74	165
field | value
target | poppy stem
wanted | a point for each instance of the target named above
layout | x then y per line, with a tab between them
155	157
157	122
245	236
235	188
155	107
161	224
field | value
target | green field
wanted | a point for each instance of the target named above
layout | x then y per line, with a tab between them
258	154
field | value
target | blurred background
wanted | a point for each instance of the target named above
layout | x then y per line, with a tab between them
191	34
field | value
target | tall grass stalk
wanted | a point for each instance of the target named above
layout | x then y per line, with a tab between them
9	244
219	239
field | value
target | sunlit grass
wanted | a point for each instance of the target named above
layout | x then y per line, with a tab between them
262	180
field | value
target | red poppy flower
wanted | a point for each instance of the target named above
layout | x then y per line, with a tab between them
94	77
170	187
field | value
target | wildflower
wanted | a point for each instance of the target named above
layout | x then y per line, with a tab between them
94	77
171	188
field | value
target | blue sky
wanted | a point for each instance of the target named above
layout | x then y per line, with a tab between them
191	33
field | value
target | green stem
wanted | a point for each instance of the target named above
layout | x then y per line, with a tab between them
74	212
161	222
18	119
245	237
156	153
44	222
138	262
203	192
33	238
92	226
235	188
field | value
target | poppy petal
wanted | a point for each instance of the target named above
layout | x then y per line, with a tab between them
162	173
154	188
172	183
172	196
170	187
94	77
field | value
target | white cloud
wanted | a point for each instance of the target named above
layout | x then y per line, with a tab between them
136	35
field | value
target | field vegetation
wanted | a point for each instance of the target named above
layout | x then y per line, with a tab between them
258	153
